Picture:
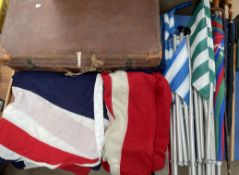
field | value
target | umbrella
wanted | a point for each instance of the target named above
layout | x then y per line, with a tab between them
219	95
230	70
236	135
228	28
236	143
237	40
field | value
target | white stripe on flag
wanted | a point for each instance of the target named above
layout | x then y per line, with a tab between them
168	54
200	36
199	17
10	155
117	129
29	164
202	81
169	20
35	130
24	99
183	89
26	113
208	21
210	42
201	58
99	114
166	35
212	64
177	65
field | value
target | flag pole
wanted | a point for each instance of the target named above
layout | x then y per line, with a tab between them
177	148
182	116
201	125
184	142
210	135
186	118
213	141
204	70
169	19
207	153
185	106
186	131
178	116
198	138
198	132
173	140
191	118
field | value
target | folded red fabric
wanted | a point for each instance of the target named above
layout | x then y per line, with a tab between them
139	110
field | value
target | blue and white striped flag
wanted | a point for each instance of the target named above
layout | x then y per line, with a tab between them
177	63
177	71
169	30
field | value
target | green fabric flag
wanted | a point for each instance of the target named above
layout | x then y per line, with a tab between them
203	64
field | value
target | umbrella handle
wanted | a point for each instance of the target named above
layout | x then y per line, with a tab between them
216	3
228	3
215	9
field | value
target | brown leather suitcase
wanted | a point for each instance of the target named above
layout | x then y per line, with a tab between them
82	35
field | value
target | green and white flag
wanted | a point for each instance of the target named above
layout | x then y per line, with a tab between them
203	64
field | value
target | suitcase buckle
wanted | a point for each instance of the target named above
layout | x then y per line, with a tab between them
96	63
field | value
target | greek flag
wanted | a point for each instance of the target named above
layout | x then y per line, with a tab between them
177	71
177	63
169	30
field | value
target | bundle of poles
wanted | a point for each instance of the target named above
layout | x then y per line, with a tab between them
193	135
188	126
182	120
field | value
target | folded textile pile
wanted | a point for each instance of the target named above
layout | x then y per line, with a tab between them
54	120
138	133
61	122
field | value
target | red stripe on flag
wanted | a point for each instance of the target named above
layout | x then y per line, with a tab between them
219	82
162	137
105	165
218	40
149	110
22	143
108	94
216	24
137	151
